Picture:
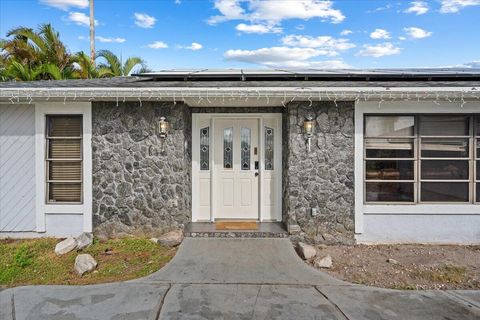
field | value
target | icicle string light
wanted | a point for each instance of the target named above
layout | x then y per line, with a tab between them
269	96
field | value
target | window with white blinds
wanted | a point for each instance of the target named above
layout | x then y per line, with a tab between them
64	159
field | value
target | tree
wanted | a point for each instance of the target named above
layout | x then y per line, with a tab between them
84	67
113	66
29	54
36	55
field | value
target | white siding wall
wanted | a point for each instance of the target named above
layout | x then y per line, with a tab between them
17	168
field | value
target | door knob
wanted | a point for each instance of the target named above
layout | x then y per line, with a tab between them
256	174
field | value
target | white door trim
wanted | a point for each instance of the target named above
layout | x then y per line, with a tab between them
199	120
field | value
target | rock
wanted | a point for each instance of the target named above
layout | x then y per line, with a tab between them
65	246
392	261
84	240
325	262
84	263
306	251
171	239
154	240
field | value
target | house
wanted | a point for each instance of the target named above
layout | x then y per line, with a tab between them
338	156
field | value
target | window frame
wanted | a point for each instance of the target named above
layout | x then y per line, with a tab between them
476	158
473	139
49	160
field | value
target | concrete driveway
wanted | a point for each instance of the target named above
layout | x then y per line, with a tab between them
235	279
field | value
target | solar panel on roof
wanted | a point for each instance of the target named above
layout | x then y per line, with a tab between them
409	74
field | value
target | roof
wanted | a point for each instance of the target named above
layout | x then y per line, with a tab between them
147	82
273	78
282	84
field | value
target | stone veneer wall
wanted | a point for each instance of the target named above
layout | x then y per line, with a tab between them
137	188
323	178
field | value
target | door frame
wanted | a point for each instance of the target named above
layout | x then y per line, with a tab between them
277	187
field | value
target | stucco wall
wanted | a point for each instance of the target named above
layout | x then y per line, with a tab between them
427	228
322	178
137	188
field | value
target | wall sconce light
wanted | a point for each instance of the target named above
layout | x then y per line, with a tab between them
308	130
163	130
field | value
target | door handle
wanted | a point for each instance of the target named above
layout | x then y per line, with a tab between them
256	174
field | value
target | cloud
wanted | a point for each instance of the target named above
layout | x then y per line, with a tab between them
143	20
229	9
380	50
418	7
454	6
157	45
194	46
472	64
65	4
378	9
283	57
110	40
346	32
417	33
300	9
272	55
325	45
80	18
322	64
274	12
288	57
380	34
257	28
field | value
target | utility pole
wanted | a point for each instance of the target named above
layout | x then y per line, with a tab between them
92	33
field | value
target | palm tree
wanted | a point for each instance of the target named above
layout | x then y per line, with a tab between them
34	55
84	67
28	55
113	67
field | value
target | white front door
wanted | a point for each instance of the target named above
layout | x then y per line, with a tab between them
236	169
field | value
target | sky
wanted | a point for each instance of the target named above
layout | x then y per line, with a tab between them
183	34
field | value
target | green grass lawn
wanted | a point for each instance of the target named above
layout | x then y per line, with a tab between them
25	262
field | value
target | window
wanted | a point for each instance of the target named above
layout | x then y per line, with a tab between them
64	159
444	158
477	162
389	159
421	159
228	148
245	145
205	148
269	148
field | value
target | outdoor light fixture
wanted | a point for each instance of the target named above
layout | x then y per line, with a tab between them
163	130
308	129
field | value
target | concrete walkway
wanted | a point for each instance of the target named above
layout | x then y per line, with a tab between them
235	279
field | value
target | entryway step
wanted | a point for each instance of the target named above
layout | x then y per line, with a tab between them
212	230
